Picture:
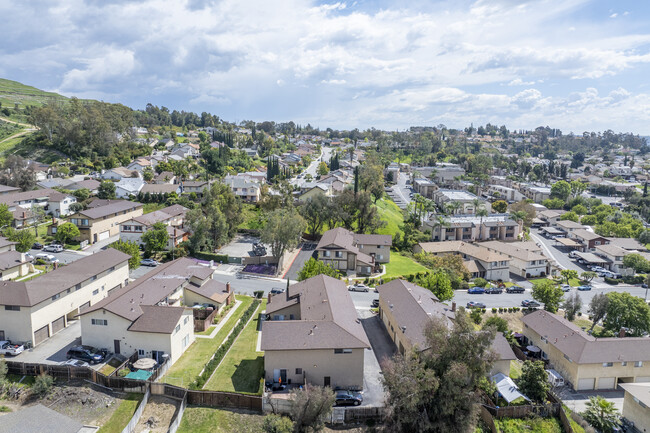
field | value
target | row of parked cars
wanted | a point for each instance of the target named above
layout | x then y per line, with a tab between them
494	290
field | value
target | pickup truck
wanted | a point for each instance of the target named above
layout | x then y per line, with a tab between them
8	348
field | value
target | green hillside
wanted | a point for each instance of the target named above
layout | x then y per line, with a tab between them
12	92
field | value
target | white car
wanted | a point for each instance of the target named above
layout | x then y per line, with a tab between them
565	287
8	348
54	248
358	287
76	363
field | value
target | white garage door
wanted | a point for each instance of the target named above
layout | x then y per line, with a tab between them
606	382
643	379
585	384
104	235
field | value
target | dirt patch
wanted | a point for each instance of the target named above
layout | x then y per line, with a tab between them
158	414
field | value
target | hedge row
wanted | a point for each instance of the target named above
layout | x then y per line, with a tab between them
211	256
223	349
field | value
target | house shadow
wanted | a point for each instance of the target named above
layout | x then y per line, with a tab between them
247	375
60	355
380	340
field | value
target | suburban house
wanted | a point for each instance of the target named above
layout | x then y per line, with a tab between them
13	264
91	185
53	202
102	219
160	188
348	251
636	405
312	335
424	187
614	256
536	193
505	193
443	197
152	315
310	190
586	362
445	173
4	189
406	308
479	261
247	190
526	258
128	186
37	309
474	228
569	226
119	173
165	177
550	216
140	164
172	216
194	186
588	239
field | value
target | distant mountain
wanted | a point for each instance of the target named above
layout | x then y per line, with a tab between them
12	92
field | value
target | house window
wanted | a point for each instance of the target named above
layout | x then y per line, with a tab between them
186	320
608	364
338	254
567	358
624	363
77	287
298	370
638	364
337	351
12	308
140	352
100	322
326	253
178	328
96	291
93	278
55	297
186	341
112	268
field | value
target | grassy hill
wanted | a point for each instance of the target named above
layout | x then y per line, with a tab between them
13	92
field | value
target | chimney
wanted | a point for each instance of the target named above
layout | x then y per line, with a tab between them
269	297
228	287
453	306
621	333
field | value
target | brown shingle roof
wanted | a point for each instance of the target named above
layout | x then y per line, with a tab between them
10	259
110	208
160	320
213	289
345	240
364	239
159	188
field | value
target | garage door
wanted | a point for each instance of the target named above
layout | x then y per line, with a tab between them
104	235
58	325
643	379
584	384
41	334
606	382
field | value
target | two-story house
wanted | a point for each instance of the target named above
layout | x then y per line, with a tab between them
526	258
348	251
244	188
480	261
52	202
172	216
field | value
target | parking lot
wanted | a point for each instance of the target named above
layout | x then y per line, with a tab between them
241	246
53	350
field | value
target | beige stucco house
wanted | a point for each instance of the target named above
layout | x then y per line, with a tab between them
586	362
312	335
636	404
13	264
348	251
33	311
172	216
480	261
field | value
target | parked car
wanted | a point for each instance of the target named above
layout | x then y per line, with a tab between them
348	398
515	289
494	290
8	348
86	353
359	287
476	290
276	290
75	363
474	304
259	249
530	303
47	258
29	257
565	287
53	248
375	303
584	288
573	254
149	262
37	246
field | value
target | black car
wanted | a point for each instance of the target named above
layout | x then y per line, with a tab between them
344	398
515	289
375	303
494	290
530	303
276	291
37	246
86	353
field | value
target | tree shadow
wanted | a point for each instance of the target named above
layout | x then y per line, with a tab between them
246	377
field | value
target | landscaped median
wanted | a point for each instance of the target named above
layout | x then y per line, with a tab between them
187	368
242	369
212	364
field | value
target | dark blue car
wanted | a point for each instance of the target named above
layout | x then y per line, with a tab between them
476	290
584	288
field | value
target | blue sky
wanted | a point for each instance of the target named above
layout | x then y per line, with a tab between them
573	64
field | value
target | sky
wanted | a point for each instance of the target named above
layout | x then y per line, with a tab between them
577	65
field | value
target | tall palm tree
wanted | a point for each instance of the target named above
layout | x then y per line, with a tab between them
439	221
601	414
477	204
453	206
482	212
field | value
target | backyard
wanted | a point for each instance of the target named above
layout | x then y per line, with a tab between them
122	414
242	368
402	265
185	370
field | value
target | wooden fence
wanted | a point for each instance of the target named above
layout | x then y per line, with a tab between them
364	414
487	418
176	422
203	319
130	427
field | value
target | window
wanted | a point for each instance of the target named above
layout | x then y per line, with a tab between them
111	269
326	253
77	287
140	352
338	254
178	328
186	341
298	370
96	291
100	322
624	363
12	308
638	364
186	320
608	364
567	358
93	278
55	297
337	351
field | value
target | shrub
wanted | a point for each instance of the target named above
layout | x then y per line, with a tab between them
494	310
500	310
611	281
480	282
42	385
500	324
258	294
5	409
464	285
475	315
277	424
223	258
123	372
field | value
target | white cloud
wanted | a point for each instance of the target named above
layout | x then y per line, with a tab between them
614	15
520	82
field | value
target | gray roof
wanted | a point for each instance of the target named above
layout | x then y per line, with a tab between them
568	224
159	188
164	214
90	184
157	319
581	347
363	239
328	319
586	235
641	391
213	289
39	289
45	193
627	244
111	207
10	259
38	419
4	242
344	240
8	189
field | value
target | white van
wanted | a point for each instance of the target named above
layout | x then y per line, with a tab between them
554	378
47	258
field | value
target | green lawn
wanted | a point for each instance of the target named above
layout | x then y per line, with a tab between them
392	215
401	265
529	425
185	370
122	414
151	207
208	420
243	367
515	369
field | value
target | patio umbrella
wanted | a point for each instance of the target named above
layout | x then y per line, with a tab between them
533	349
144	363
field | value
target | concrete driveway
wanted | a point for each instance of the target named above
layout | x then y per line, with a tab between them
304	255
577	401
241	246
53	350
382	348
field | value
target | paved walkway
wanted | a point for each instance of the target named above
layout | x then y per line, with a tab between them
219	325
382	349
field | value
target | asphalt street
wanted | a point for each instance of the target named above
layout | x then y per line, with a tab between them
326	153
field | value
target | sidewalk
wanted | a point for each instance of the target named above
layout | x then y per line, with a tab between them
219	325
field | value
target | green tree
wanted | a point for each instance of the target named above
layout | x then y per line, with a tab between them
561	190
106	190
24	238
587	276
533	382
579	209
283	230
66	232
598	308
316	211
476	316
577	188
439	284
572	305
636	262
601	414
548	293
322	168
569	274
277	424
131	248
627	311
155	239
500	206
82	194
310	406
570	216
147	174
6	217
499	323
42	385
434	390
313	267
